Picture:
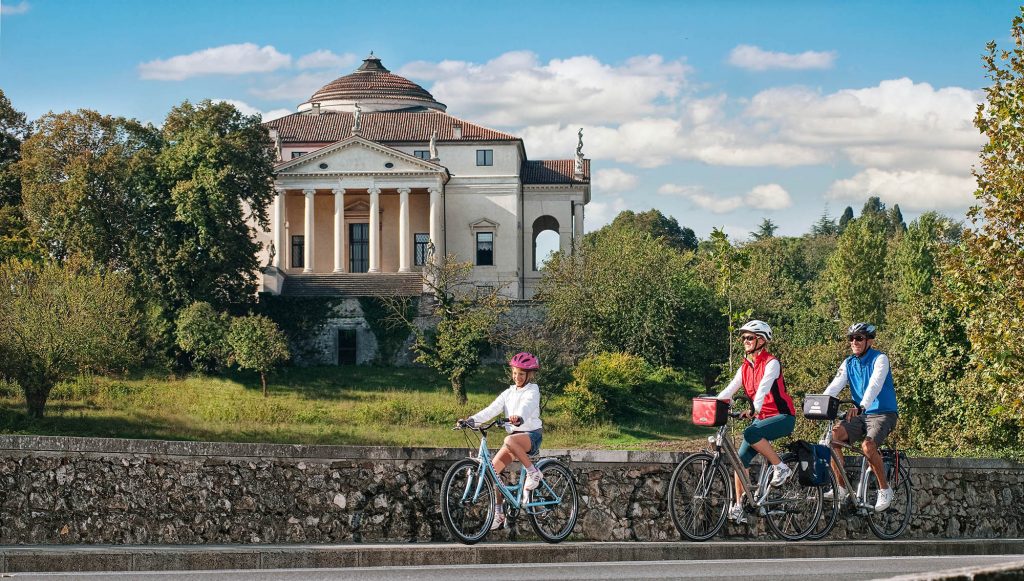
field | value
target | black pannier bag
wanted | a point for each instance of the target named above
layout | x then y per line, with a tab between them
812	463
821	407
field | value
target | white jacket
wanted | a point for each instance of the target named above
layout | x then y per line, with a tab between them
523	402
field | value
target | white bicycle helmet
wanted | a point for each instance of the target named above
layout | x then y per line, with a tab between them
758	328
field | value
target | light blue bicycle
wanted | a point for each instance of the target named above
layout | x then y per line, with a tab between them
468	498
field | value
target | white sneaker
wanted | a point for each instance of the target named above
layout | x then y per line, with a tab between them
533	480
829	495
736	514
782	472
885	496
499	517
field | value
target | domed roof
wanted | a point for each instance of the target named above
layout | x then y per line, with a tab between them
373	87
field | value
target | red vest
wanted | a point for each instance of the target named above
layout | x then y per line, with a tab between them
776	401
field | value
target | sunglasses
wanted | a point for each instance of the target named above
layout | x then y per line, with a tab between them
749	337
857	338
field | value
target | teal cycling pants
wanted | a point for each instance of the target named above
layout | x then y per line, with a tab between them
767	429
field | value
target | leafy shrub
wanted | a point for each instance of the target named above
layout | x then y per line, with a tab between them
617	386
201	332
582	404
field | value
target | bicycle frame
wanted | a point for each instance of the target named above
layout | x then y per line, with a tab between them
860	498
721	442
513	494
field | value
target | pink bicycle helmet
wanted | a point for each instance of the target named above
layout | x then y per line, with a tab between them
525	361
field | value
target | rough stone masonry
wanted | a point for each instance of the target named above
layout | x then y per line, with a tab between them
58	490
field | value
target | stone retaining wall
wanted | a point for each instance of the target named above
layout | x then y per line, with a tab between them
94	490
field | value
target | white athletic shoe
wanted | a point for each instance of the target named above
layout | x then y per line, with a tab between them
829	494
736	513
782	472
499	517
885	496
533	480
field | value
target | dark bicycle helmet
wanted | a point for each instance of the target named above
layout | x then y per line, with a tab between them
866	329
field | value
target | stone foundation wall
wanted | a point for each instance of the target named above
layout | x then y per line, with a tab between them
94	490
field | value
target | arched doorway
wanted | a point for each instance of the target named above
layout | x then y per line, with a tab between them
546	240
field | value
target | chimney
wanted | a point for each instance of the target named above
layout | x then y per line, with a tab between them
316	108
457	132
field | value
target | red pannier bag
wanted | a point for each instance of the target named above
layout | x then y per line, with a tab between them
709	411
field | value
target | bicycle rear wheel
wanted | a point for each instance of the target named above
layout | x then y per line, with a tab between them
698	497
893	521
830	508
467	514
792	509
554	522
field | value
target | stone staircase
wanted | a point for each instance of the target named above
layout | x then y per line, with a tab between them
344	284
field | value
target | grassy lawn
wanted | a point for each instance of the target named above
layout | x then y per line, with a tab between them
324	405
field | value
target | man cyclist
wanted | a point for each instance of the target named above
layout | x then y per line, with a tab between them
760	376
867	371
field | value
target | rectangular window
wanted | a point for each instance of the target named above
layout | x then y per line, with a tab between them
298	154
298	252
359	247
422	153
485	157
348	346
421	248
485	248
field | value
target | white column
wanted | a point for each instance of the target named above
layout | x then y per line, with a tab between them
374	229
403	229
339	229
436	223
577	223
277	228
307	248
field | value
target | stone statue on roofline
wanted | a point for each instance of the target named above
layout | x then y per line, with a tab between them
578	169
357	122
433	146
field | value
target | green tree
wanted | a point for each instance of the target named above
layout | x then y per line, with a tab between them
855	278
623	290
765	230
845	219
202	333
988	272
217	168
257	344
659	226
825	226
59	321
896	223
14	128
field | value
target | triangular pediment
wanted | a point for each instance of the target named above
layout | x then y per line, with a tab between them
356	155
484	224
359	207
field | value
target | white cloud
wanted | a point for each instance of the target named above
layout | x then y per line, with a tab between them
247	109
325	59
614	180
912	190
598	213
761	197
298	88
12	9
755	58
517	89
231	59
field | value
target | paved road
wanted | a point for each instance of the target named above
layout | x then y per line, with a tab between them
734	569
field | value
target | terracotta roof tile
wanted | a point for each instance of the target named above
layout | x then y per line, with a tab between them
553	171
390	126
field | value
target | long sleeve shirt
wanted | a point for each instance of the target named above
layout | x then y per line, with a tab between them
879	371
772	371
523	402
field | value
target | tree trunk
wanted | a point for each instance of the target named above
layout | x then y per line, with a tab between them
263	381
35	400
459	388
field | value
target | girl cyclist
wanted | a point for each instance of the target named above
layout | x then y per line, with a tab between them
760	375
521	405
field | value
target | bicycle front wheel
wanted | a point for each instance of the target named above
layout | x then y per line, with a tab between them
698	497
555	517
466	512
792	509
893	521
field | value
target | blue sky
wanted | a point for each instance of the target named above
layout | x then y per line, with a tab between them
718	113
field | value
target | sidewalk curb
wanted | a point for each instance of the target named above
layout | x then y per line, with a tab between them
23	559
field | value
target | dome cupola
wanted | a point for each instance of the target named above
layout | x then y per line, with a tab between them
374	88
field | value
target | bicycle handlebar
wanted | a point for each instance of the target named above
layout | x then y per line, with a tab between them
498	422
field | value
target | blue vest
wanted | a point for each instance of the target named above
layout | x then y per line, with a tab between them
858	372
